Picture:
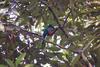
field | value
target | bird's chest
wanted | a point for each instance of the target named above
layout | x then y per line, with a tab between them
50	31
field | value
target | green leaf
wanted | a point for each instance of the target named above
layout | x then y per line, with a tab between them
29	65
75	60
10	63
50	54
2	65
51	21
59	55
19	59
54	48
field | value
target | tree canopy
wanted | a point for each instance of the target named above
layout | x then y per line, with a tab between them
26	39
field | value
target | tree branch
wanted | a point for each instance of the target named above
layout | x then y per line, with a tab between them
55	17
11	27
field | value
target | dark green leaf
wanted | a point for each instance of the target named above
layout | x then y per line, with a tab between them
10	63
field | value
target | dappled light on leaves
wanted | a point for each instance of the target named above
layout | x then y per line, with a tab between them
49	33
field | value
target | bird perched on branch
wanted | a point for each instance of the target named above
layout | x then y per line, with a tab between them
49	31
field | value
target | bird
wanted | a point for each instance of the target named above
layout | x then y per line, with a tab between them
49	31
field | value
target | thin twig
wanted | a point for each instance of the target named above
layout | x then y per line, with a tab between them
66	21
86	47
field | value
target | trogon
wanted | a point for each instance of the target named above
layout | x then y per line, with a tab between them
49	31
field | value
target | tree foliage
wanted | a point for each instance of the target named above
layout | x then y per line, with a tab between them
74	44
